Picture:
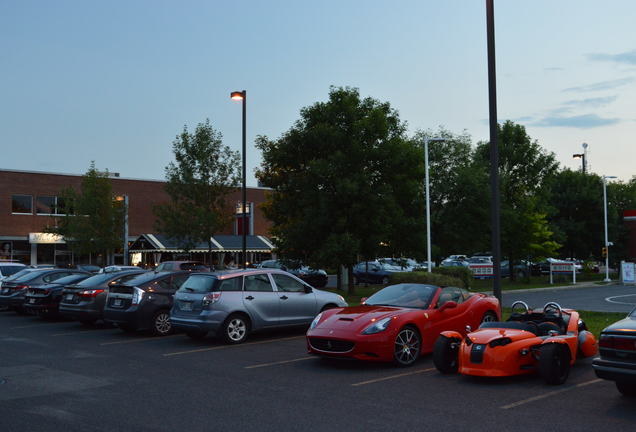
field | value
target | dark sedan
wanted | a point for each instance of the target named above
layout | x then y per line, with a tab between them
315	277
84	301
13	291
617	346
44	300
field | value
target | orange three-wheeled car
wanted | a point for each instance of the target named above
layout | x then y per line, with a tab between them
547	341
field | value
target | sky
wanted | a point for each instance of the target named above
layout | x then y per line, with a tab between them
115	81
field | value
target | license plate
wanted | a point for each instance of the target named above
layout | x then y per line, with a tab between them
186	306
69	297
118	303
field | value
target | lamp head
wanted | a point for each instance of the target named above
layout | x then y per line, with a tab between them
237	95
584	145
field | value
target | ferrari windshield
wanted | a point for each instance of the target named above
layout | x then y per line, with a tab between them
407	295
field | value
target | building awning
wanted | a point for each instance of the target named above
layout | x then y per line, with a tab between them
220	243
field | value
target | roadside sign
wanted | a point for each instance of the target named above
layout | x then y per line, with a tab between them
627	273
482	271
562	267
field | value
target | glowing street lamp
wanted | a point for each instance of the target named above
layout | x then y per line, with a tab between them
242	96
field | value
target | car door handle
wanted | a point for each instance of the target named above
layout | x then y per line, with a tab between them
284	297
249	298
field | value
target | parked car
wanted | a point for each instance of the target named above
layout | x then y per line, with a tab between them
398	323
117	268
231	304
405	264
86	267
373	272
453	259
454	263
314	277
44	300
182	265
521	269
617	361
14	290
8	268
547	341
144	301
84	301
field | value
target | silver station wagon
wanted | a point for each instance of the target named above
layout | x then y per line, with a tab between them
231	304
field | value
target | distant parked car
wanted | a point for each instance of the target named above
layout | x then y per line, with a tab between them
405	264
446	262
14	290
182	265
231	304
44	300
454	263
86	267
84	301
520	269
117	268
314	277
144	302
8	268
374	272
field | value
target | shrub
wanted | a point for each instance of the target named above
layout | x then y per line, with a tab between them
462	273
425	278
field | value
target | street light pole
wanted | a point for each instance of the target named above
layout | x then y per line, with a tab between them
242	96
607	278
428	202
125	230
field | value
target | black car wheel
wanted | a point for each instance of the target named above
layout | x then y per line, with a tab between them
445	355
489	316
407	347
161	323
626	389
235	329
554	363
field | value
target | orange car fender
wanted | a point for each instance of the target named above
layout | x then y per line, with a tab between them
451	334
571	346
587	344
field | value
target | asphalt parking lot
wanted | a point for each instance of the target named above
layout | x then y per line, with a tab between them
60	375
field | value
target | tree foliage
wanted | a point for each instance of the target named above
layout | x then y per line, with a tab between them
347	182
198	181
94	218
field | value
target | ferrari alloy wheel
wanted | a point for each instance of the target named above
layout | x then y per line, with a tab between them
445	355
235	329
161	323
626	389
407	347
489	317
554	363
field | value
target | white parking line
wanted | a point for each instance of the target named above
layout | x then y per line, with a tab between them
392	377
231	346
611	299
127	341
549	394
278	362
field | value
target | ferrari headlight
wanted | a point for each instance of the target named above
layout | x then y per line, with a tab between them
314	323
377	326
342	300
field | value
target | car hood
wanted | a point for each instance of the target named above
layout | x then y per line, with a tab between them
628	324
484	336
357	318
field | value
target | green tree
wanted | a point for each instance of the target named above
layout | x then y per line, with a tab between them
198	181
524	169
621	196
94	218
347	182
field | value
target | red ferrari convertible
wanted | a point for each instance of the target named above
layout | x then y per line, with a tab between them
398	323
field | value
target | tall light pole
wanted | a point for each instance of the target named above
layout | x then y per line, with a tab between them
242	96
607	278
428	202
124	198
583	157
494	152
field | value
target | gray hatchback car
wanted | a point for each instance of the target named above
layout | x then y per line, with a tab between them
230	304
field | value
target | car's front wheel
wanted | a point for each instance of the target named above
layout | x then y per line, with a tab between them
407	346
489	316
161	323
235	329
445	355
626	389
554	363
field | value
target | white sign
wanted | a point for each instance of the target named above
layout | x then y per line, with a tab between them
561	267
627	272
482	271
46	238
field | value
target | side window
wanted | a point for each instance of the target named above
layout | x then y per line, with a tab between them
162	284
450	294
259	282
233	284
466	295
178	280
287	284
55	276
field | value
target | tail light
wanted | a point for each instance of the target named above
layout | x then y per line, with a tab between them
90	293
20	287
606	341
138	295
211	298
618	343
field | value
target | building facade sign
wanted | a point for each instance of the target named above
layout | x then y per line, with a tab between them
46	238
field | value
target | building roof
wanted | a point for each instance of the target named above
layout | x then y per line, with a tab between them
220	243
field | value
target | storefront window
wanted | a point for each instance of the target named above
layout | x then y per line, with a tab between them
22	204
48	205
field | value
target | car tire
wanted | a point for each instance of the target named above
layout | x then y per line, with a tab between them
385	280
554	363
626	389
161	325
197	335
407	346
489	316
446	355
235	329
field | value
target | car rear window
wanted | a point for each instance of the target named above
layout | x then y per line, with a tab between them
70	279
10	270
198	284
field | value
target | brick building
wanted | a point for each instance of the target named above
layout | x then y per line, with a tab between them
30	202
629	216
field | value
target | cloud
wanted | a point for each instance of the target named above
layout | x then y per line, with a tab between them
591	102
585	121
553	69
603	85
628	57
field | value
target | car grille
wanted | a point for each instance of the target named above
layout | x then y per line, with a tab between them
331	345
477	353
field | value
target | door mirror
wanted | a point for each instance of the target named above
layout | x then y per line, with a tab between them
448	305
308	289
363	300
